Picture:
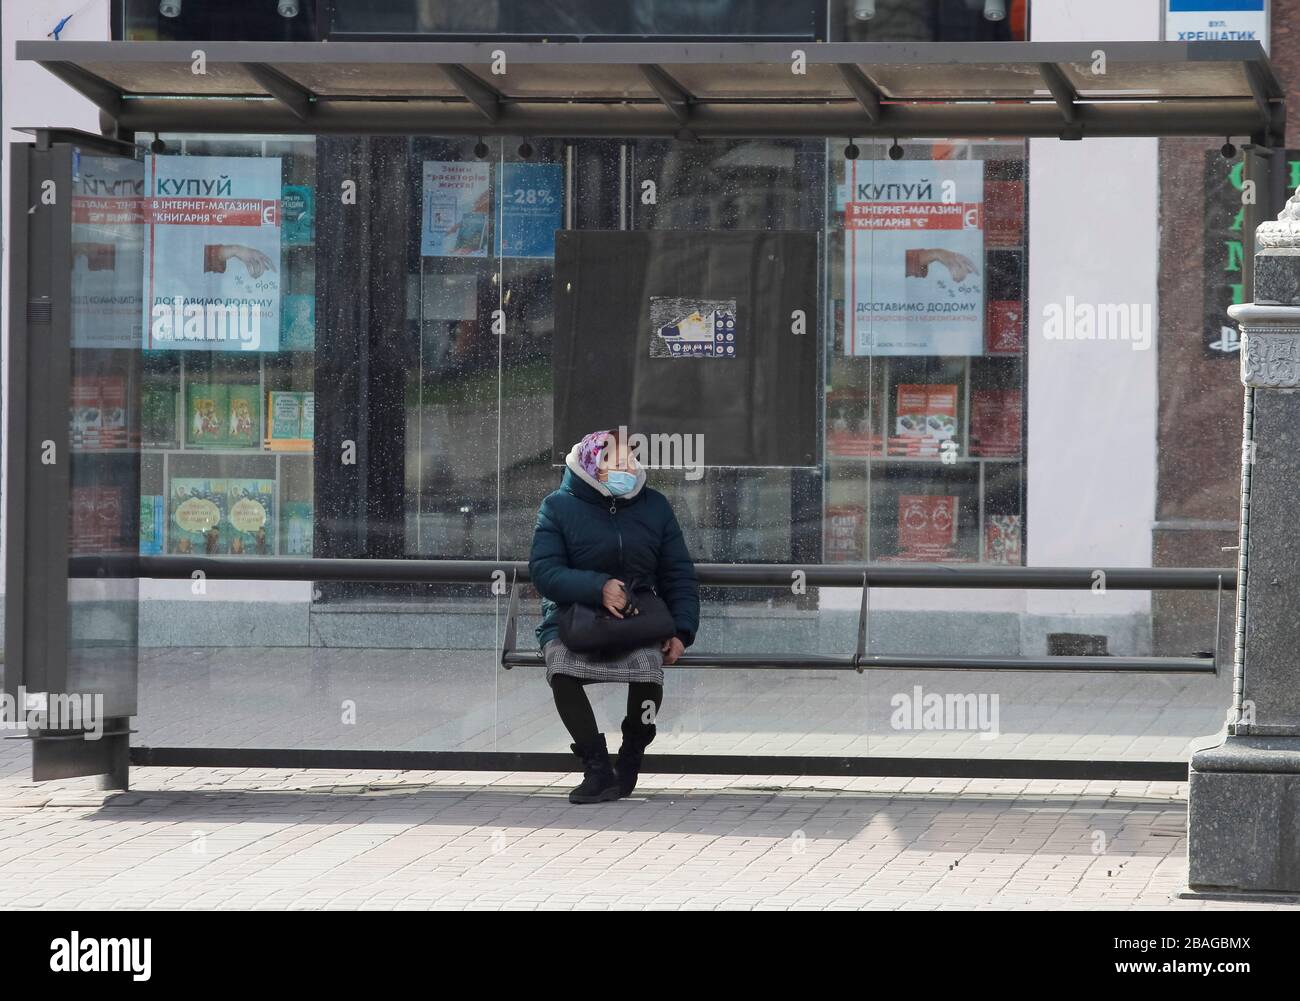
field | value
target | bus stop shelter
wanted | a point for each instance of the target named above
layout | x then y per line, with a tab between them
66	625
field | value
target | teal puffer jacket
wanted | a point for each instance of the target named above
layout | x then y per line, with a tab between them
585	536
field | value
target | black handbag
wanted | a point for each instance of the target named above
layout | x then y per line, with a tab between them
646	620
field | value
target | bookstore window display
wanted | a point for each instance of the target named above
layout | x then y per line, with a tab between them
925	399
226	402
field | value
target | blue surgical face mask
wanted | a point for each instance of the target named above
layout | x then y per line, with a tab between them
620	482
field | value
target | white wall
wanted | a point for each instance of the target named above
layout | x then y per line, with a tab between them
1094	235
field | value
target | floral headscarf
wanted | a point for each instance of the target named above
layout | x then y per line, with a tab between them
589	450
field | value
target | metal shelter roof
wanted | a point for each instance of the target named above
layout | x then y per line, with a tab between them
687	90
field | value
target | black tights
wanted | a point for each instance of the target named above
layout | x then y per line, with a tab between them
575	708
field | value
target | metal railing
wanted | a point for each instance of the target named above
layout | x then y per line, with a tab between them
860	575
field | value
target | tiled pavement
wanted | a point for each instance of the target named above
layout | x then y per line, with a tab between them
257	838
261	838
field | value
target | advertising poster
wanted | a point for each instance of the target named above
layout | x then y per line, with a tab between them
914	258
107	254
457	207
693	328
212	253
531	208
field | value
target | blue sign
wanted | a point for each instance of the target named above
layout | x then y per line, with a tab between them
1216	21
1215	5
532	208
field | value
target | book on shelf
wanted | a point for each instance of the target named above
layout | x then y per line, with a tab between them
851	429
197	509
219	415
1002	539
244	424
995	423
82	522
152	516
250	517
87	416
925	416
298	322
290	419
158	417
112	408
96	524
297	528
927	527
844	533
207	412
297	215
99	412
1004	213
1004	327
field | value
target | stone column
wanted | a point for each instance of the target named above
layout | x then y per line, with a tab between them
1244	806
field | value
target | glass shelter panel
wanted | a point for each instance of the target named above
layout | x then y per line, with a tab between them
104	509
841	345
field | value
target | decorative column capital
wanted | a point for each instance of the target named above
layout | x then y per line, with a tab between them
1270	345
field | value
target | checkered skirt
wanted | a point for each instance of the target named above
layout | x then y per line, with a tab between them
642	664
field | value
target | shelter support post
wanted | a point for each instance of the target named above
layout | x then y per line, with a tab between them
1244	809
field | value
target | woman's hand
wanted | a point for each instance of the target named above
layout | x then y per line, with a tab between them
613	597
672	649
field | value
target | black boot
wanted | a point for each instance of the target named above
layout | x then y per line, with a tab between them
636	736
599	783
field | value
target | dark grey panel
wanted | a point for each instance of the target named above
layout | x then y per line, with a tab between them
63	638
39	378
758	408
